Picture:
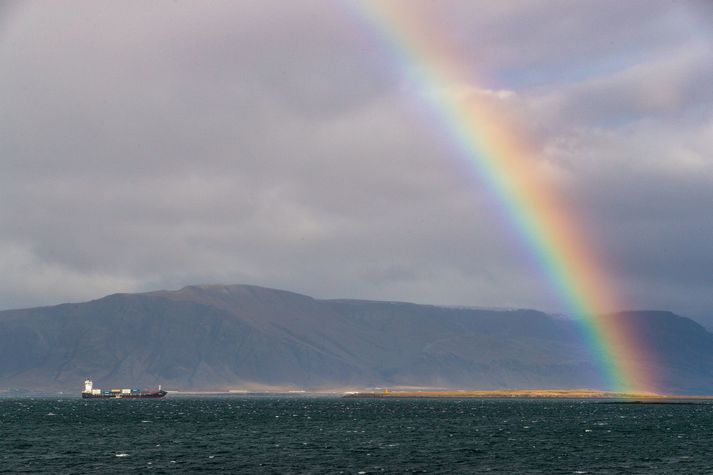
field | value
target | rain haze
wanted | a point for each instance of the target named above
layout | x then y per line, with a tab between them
284	144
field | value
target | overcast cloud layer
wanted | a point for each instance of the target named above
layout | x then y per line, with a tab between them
152	145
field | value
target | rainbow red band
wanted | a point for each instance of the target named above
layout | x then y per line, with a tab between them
502	162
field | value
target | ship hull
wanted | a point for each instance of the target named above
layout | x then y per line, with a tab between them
152	395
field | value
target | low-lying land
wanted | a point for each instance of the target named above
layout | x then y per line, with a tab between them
527	393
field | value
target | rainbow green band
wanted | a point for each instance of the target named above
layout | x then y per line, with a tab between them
502	162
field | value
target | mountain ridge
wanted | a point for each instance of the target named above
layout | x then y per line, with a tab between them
241	336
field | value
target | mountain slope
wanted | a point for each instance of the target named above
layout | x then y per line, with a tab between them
218	337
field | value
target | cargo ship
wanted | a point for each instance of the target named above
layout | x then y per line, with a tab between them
129	393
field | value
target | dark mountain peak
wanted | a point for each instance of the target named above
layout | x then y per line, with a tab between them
230	291
250	301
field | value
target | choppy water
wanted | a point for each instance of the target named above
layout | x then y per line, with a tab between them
304	435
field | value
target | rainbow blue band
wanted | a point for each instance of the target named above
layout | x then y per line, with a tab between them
499	159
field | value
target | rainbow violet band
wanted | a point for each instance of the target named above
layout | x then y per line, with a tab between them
502	162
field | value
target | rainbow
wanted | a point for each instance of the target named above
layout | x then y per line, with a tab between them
502	161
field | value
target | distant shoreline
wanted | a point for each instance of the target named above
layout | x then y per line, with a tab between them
530	394
412	393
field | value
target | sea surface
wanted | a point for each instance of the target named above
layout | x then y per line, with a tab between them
332	435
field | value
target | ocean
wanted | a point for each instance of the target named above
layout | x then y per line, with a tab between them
360	436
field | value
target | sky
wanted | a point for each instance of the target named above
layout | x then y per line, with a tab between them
154	145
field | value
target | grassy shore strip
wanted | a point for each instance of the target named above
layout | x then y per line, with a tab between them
525	394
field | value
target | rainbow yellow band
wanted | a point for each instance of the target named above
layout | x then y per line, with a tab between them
503	163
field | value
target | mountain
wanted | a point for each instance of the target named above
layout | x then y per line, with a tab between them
240	336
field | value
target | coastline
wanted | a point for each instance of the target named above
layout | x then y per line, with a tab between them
531	394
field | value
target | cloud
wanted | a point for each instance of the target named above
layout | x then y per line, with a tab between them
28	278
673	85
148	146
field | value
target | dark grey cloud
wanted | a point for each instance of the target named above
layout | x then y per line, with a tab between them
155	145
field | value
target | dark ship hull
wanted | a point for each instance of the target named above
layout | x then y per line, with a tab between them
151	395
